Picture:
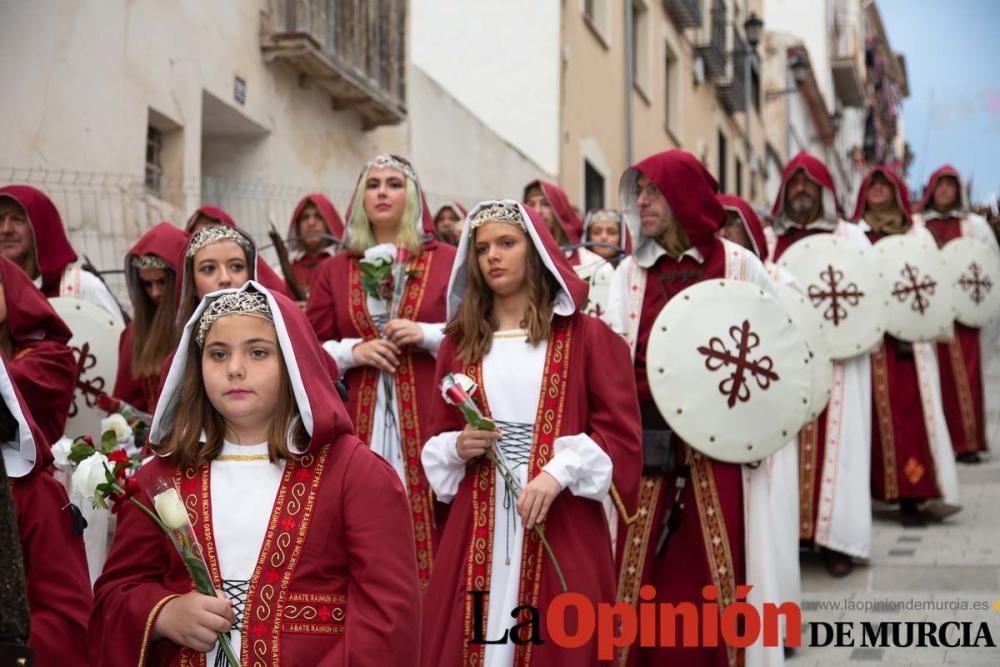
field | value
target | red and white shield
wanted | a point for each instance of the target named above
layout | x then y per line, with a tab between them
914	282
974	270
729	371
841	283
811	326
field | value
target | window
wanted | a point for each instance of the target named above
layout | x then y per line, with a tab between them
640	47
739	177
588	9
670	88
593	185
154	159
595	15
722	162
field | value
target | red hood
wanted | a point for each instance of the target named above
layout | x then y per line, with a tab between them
752	224
212	212
689	189
455	207
164	241
815	170
945	170
30	318
34	452
334	223
559	202
53	251
901	192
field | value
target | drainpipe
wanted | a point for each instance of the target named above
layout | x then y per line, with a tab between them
629	80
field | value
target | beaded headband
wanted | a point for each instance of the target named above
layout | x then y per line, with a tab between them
388	160
253	304
214	234
148	262
499	211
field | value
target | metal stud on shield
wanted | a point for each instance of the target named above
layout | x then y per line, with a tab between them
729	370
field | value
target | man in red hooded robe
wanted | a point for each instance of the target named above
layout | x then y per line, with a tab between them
51	543
834	449
669	203
33	237
314	221
965	359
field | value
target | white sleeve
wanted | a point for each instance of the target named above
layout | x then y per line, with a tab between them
614	317
581	466
95	291
433	335
443	467
340	350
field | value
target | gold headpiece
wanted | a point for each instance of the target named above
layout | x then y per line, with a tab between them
389	160
214	234
499	211
245	302
149	262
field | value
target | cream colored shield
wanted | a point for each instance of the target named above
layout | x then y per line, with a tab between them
729	371
810	326
598	276
95	347
915	286
974	271
841	283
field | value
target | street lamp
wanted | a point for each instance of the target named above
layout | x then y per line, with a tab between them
752	29
800	72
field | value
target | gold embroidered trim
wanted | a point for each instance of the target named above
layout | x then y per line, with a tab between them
637	546
243	457
914	471
964	391
149	626
620	506
510	335
883	410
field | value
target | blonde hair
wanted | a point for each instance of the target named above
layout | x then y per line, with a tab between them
359	229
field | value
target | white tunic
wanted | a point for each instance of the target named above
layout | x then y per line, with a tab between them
512	378
243	490
385	438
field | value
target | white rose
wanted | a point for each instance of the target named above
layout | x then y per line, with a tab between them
117	424
171	510
60	451
384	253
89	473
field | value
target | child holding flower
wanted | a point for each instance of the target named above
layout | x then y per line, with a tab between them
303	530
558	386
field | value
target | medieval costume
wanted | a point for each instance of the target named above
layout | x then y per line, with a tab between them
314	549
566	407
34	343
972	355
162	247
305	261
912	456
566	228
54	266
709	539
835	448
55	565
344	315
447	230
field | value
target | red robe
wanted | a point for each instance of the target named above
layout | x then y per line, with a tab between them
338	309
607	411
140	393
335	581
306	267
43	365
57	582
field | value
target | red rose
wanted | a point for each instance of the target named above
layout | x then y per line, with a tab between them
131	488
88	439
118	456
107	403
456	394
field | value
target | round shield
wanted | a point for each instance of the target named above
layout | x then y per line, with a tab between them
914	284
95	347
974	269
598	276
809	324
841	283
729	371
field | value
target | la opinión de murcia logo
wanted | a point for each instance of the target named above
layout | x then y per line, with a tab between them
738	624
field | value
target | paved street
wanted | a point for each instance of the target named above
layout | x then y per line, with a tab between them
948	564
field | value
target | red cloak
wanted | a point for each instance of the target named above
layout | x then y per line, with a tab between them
563	211
55	563
42	366
168	243
53	252
351	570
306	267
902	463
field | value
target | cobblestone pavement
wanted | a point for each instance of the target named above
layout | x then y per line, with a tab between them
943	567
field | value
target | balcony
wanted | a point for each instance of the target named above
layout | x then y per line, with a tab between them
345	47
713	52
685	13
732	93
848	81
